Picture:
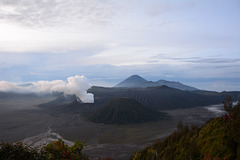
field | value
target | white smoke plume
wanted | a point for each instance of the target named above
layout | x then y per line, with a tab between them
77	85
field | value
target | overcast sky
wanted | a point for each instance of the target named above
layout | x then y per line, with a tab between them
196	42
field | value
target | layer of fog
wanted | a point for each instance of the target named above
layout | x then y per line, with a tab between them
218	109
77	85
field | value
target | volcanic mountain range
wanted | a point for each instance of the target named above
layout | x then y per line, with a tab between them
135	81
129	102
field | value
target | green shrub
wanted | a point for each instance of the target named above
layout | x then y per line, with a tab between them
218	139
18	151
55	150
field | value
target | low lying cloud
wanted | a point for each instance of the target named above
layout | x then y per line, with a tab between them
77	85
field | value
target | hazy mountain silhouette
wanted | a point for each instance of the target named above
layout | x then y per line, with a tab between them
135	81
124	111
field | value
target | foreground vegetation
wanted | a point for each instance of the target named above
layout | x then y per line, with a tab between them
218	139
55	150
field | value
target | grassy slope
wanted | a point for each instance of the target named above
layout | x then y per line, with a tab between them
212	141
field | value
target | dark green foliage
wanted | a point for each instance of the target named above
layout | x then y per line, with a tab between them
106	158
179	145
18	151
58	150
228	102
212	141
55	150
124	111
234	123
234	126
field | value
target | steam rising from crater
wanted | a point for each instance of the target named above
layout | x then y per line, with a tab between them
77	85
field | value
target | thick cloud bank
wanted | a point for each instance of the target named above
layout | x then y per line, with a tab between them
77	85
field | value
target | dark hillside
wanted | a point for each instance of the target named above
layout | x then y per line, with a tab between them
217	139
168	98
67	104
159	98
61	100
124	111
176	85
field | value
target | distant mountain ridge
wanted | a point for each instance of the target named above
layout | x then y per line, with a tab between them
136	81
156	98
